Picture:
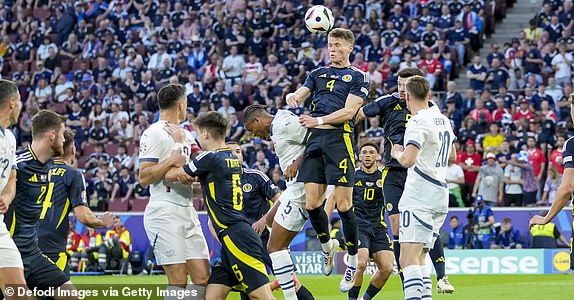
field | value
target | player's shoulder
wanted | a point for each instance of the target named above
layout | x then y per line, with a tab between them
257	174
24	157
569	146
362	76
9	136
388	99
319	71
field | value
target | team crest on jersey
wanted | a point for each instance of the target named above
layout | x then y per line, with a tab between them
389	206
347	78
247	188
380	183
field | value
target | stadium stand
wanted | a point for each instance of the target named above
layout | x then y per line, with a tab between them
101	63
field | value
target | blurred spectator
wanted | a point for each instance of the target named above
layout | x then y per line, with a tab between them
546	236
490	182
116	247
375	132
479	112
123	132
454	179
483	221
497	76
513	180
493	139
88	256
123	188
556	156
551	185
456	236
470	162
530	184
99	135
508	237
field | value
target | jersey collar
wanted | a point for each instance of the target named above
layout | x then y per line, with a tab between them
32	152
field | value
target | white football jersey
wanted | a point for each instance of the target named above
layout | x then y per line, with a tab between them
7	160
431	132
156	145
288	136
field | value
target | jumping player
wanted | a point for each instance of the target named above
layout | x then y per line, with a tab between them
11	267
219	171
288	136
337	92
33	193
424	203
565	190
374	239
68	193
394	115
170	221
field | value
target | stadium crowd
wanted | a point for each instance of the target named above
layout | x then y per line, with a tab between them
101	63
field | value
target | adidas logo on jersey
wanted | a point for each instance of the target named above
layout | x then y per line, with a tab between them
34	178
359	183
342	180
397	107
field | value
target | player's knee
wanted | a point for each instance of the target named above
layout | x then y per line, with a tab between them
362	265
386	269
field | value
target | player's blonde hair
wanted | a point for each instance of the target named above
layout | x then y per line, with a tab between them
344	34
418	87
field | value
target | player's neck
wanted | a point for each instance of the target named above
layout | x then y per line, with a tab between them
42	150
212	145
169	116
418	106
370	170
4	120
65	160
341	64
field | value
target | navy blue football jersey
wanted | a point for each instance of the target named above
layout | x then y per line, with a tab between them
568	157
69	191
368	198
394	117
32	189
258	189
330	88
220	176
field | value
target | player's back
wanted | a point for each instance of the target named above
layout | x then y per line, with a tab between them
330	88
68	192
220	176
288	137
394	117
436	147
156	146
368	198
7	162
31	189
257	191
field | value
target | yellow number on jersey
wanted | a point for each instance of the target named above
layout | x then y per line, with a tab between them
343	165
408	117
369	194
237	192
48	201
331	85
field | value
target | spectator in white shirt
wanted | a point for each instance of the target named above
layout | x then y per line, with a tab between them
121	71
454	178
226	109
61	89
233	68
43	92
561	64
375	76
156	60
43	50
252	71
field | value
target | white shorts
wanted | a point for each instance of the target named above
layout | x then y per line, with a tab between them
9	254
418	225
175	233
291	213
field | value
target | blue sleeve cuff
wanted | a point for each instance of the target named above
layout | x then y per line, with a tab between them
187	170
414	143
148	159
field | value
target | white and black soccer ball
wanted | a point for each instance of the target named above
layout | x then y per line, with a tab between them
319	19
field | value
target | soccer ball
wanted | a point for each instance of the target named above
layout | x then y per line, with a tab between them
319	19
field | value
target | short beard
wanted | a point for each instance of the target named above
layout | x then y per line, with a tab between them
57	151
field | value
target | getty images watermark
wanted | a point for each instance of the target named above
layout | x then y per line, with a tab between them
108	291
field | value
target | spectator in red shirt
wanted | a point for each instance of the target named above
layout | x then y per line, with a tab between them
470	162
536	157
433	68
360	63
500	110
479	110
524	111
556	155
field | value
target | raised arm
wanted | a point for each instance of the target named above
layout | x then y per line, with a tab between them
298	97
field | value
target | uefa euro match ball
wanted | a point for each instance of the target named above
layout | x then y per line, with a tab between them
319	19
